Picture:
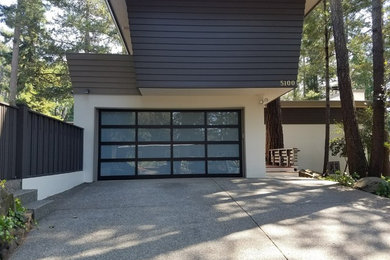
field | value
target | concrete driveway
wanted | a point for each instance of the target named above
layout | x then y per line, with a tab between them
270	218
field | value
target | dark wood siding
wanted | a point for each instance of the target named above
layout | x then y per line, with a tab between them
309	116
102	74
215	43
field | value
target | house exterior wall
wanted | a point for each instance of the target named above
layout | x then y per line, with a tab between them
252	113
216	44
310	140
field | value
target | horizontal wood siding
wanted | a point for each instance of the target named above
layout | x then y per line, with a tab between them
215	43
309	116
102	74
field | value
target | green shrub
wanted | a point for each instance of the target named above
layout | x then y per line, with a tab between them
384	189
14	219
345	179
6	226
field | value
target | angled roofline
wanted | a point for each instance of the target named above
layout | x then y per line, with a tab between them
115	19
310	8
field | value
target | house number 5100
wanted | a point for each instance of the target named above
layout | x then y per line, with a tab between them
287	83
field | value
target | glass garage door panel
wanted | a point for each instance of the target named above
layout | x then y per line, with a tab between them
118	118
154	118
188	150
117	135
154	151
117	169
188	134
154	135
117	151
154	168
169	143
222	134
189	167
222	118
188	118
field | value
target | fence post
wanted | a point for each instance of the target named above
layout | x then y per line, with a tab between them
23	143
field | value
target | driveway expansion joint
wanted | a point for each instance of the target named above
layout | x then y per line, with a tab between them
250	216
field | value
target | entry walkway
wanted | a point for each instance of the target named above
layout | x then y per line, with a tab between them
270	218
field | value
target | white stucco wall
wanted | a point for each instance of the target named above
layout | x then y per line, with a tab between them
50	185
253	115
309	139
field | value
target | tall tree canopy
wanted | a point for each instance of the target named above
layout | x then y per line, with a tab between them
49	29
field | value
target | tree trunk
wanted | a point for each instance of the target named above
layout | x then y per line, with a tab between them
327	86
274	130
304	77
13	86
87	37
386	161
378	127
354	147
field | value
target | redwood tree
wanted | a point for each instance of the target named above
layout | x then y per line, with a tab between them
355	153
327	87
274	130
15	56
378	126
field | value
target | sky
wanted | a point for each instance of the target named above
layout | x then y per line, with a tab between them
7	2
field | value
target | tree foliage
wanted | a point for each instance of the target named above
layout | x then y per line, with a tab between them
50	29
357	20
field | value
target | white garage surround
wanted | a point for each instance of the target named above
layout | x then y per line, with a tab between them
86	107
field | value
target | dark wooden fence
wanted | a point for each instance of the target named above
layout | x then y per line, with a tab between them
32	144
8	116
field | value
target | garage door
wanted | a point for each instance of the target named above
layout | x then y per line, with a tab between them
144	144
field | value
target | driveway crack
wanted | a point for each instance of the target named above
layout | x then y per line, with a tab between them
250	216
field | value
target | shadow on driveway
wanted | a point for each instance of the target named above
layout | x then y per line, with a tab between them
216	218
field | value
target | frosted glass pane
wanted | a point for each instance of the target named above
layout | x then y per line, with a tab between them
222	118
117	151
224	167
154	168
188	150
223	150
154	134
189	167
117	135
117	118
154	151
222	134
188	134
188	118
117	168
154	118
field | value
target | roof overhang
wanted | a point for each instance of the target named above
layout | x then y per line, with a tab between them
118	10
310	5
